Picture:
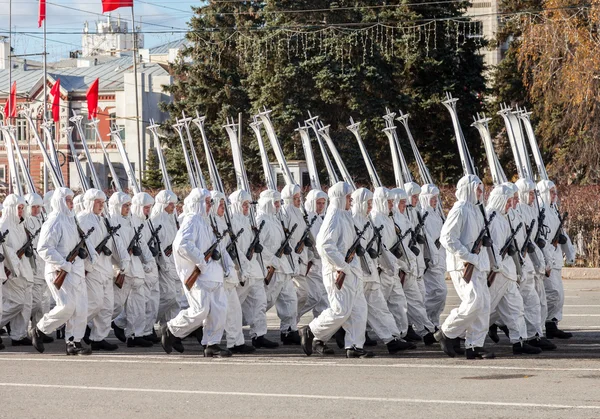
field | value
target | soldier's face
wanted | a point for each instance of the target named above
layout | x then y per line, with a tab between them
414	200
146	209
369	205
402	205
125	209
170	208
320	205
221	208
390	204
277	205
98	206
531	197
69	202
297	200
433	201
35	210
246	207
208	204
20	209
348	202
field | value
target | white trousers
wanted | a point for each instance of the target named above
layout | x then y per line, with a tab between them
207	307
281	293
152	302
16	306
540	288
379	317
470	320
39	306
71	308
347	309
130	306
555	295
415	304
392	291
506	304
253	298
233	325
101	300
436	292
312	295
169	291
531	305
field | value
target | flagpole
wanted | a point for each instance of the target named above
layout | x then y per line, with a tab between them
10	54
45	104
137	104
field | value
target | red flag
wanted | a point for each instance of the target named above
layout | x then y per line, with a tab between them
92	100
110	5
10	107
42	13
55	92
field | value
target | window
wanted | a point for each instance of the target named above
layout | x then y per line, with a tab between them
22	129
90	133
3	173
122	132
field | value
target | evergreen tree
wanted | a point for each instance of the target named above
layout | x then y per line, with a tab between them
294	62
152	175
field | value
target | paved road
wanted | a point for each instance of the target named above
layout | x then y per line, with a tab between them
136	383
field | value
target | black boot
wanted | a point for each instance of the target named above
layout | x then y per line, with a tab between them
262	342
152	337
215	351
2	345
493	333
456	342
307	340
505	330
445	343
412	336
21	342
397	345
340	338
355	352
138	341
522	348
178	345
428	339
166	339
320	348
369	341
37	339
199	334
76	348
479	353
542	343
60	333
103	345
47	339
119	333
552	331
86	336
291	337
242	349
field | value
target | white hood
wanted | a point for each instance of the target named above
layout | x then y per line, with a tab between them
288	192
237	199
498	198
161	201
139	201
89	197
525	186
78	204
427	192
47	201
412	188
195	202
58	203
311	199
266	202
466	189
360	202
10	213
216	198
116	202
32	200
544	187
337	196
380	201
399	194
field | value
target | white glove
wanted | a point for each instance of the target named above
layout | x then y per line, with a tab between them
66	266
147	268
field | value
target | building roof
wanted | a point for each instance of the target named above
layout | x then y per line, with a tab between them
164	48
79	79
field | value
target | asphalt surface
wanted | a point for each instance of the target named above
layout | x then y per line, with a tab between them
144	383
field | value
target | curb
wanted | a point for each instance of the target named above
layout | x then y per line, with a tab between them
581	273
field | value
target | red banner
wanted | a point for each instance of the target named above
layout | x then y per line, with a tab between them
42	13
55	92
110	5
92	100
10	107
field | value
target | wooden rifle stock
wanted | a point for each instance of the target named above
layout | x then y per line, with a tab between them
189	283
308	266
269	276
402	276
60	277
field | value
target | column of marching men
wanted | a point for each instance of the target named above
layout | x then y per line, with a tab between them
366	265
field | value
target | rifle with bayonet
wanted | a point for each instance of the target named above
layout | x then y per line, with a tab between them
211	253
79	250
284	248
355	250
133	249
